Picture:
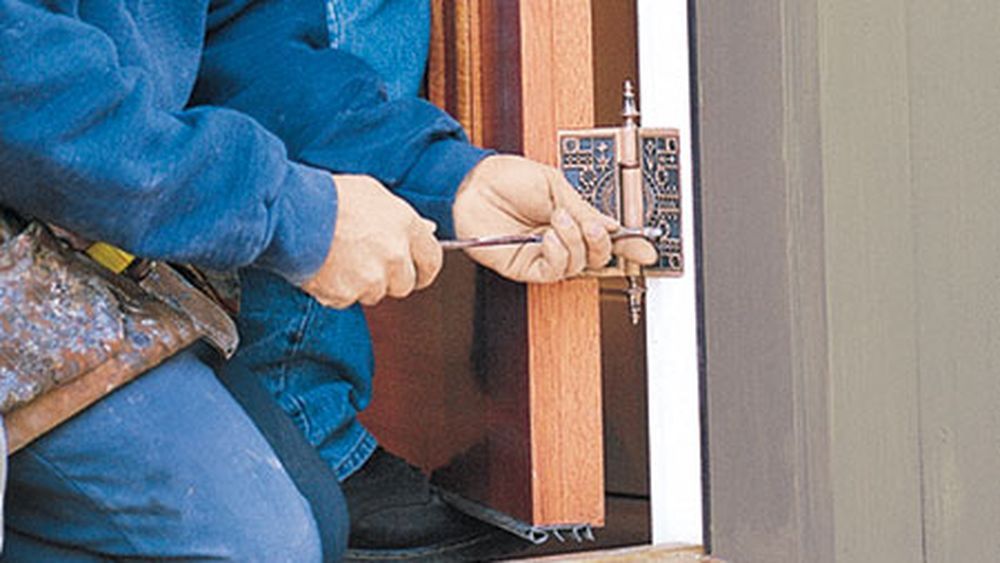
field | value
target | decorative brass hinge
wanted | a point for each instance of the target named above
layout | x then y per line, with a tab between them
631	173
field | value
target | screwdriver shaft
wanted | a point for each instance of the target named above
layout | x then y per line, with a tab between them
504	240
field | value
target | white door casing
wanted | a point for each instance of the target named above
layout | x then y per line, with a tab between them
671	313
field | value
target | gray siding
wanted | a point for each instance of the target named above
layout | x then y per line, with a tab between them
871	280
954	85
850	173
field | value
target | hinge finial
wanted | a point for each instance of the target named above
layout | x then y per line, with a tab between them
630	109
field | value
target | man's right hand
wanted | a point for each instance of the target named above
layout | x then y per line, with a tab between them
380	247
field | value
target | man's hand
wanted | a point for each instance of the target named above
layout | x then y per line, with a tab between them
505	195
380	247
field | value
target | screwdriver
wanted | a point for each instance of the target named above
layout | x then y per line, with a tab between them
503	240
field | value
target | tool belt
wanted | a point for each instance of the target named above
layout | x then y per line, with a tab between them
72	331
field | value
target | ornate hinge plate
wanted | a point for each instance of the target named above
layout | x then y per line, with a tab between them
632	174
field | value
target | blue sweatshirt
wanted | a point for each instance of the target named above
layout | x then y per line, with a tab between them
165	128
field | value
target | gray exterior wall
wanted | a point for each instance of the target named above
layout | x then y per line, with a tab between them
850	197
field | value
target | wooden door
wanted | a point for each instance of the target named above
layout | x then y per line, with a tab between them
498	388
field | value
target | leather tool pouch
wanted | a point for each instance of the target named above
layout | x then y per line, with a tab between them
70	331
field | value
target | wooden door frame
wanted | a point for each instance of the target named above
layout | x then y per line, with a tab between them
525	72
512	380
761	283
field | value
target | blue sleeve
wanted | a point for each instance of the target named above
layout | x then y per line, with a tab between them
84	145
271	60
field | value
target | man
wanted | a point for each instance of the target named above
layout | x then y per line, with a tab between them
317	361
103	130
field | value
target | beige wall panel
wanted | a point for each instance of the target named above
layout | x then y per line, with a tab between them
954	74
871	293
871	290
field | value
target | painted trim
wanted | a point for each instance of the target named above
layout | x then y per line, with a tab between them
675	438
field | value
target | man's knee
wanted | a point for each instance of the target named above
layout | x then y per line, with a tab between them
266	535
168	466
278	526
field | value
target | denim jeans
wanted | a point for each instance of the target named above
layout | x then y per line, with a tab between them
392	36
317	362
168	466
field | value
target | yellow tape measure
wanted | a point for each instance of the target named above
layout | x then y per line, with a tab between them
111	257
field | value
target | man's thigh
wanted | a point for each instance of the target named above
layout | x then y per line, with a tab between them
168	466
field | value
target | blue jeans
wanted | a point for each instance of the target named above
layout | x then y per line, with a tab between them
392	36
316	362
167	467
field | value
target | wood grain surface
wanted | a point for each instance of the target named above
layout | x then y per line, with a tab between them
668	553
564	319
505	379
